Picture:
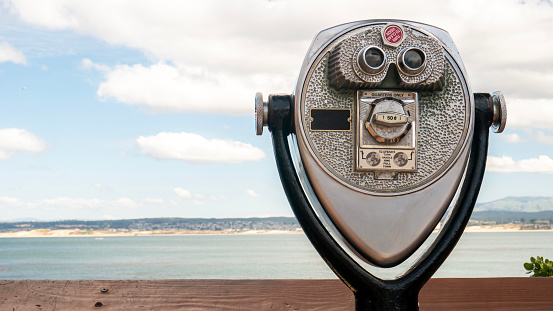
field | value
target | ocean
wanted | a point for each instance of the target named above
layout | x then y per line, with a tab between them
254	256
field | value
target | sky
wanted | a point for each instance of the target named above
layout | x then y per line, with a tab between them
115	109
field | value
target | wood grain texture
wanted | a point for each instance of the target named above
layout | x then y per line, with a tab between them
495	294
438	294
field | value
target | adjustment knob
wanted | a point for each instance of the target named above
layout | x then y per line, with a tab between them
261	113
499	112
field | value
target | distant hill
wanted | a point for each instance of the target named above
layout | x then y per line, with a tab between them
504	217
517	204
506	210
149	224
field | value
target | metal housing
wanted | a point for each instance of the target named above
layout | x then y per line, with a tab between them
381	220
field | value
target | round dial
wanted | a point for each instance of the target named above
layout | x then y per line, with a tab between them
388	122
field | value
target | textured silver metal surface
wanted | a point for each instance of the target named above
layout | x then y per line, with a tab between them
442	127
348	73
386	147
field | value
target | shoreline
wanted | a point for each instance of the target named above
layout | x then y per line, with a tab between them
45	233
502	228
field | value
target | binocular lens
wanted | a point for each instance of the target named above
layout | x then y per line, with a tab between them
411	61
371	60
374	57
413	58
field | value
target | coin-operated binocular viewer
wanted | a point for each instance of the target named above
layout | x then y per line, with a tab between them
382	139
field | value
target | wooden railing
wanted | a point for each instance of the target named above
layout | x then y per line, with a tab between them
438	294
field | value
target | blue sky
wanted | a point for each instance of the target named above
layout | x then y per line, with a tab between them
127	109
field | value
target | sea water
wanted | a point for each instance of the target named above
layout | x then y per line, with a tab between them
256	256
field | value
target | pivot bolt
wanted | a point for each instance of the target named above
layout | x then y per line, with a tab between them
499	112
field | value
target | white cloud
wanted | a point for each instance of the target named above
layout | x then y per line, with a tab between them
40	167
506	164
15	140
217	198
101	187
194	148
533	135
51	14
542	138
88	64
182	193
186	194
65	202
530	113
9	54
252	193
126	202
196	198
153	201
10	202
167	88
216	33
512	138
63	206
244	36
212	56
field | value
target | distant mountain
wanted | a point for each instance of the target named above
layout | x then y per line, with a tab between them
150	224
503	217
509	209
517	204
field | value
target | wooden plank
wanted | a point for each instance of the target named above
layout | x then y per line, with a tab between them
438	294
174	295
488	294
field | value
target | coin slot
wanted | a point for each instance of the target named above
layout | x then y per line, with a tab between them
390	118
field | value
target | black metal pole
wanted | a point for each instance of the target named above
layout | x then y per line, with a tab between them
372	293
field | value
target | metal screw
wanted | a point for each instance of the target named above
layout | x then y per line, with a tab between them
104	290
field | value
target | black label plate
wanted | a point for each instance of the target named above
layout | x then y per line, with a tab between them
330	119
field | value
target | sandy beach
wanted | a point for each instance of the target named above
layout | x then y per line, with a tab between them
40	233
104	233
501	228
